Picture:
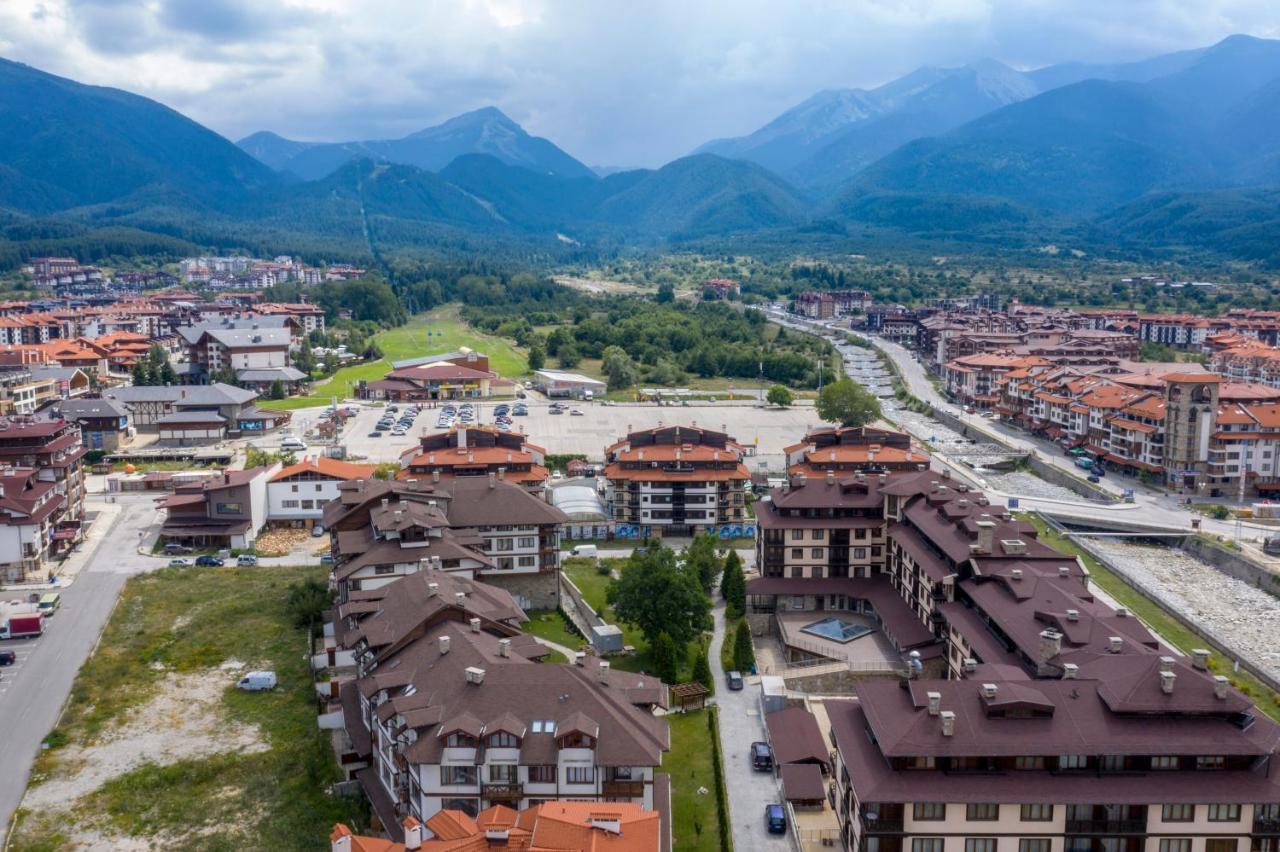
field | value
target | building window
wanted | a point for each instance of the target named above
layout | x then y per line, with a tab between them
580	775
230	508
502	739
293	488
1073	761
1164	761
574	739
527	561
1224	813
926	844
1112	763
1037	812
544	726
819	535
290	504
815	553
1028	762
922	762
859	553
384	569
503	773
797	535
1033	844
319	486
1211	762
797	553
1221	844
1175	844
1178	813
456	776
929	810
528	541
979	844
982	811
470	807
542	774
460	740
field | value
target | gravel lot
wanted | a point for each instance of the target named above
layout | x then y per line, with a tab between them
1245	617
769	429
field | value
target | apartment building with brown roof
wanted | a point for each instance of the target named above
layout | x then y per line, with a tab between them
676	480
477	451
484	527
41	494
845	449
449	710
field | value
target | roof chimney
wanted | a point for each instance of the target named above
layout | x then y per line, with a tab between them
1220	684
435	475
986	535
474	675
444	644
1070	671
1015	574
385	502
1200	658
502	473
831	477
1115	644
460	598
970	665
989	691
1050	644
412	834
580	658
935	703
948	723
1166	682
604	671
1166	664
433	589
1064	571
1122	612
475	625
504	647
1073	615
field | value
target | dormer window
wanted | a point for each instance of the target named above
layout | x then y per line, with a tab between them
459	739
502	739
576	739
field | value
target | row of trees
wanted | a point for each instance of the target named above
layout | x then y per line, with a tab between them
154	368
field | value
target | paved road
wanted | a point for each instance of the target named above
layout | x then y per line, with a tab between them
32	695
740	725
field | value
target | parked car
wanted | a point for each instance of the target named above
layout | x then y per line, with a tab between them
556	410
761	755
174	548
179	563
578	412
208	562
326	559
257	681
317	530
376	433
247	560
8	658
775	819
734	679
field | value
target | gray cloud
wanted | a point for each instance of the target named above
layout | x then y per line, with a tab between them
612	81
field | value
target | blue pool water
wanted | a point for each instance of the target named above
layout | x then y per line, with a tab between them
837	630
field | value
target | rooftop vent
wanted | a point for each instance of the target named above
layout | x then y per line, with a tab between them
1220	684
580	658
604	671
444	644
475	625
1050	645
948	723
989	691
1166	682
1200	658
1115	644
504	647
474	674
1073	615
433	589
1013	546
460	598
1166	664
1064	571
1070	671
1122	612
970	665
1015	574
935	703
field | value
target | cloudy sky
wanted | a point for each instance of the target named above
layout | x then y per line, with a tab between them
614	82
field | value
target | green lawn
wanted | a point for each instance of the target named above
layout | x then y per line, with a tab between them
441	330
595	588
1157	619
689	763
551	625
187	622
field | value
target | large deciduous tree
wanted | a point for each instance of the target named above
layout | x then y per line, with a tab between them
848	403
659	595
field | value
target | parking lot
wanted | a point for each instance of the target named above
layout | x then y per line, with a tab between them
14	674
767	430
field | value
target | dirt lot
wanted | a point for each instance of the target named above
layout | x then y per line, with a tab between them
767	430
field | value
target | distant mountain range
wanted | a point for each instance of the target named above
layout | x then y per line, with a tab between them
482	131
1176	153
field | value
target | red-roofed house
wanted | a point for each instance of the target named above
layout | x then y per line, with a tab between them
296	496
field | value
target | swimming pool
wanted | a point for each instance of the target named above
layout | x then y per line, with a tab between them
837	629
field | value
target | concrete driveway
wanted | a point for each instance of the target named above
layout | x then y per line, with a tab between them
741	724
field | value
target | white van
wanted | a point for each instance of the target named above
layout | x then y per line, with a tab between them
257	681
292	444
589	550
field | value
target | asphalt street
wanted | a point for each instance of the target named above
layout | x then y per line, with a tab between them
32	693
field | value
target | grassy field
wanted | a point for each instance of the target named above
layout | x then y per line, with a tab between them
441	330
694	822
194	626
1154	616
595	589
551	625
